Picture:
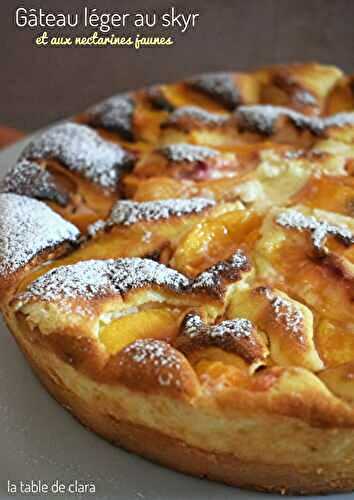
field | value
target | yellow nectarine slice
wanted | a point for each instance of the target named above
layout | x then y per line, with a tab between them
159	323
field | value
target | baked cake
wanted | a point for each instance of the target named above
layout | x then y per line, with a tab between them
177	264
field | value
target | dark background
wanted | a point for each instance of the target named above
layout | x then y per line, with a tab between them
40	85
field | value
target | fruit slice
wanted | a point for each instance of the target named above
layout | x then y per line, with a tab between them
159	323
331	193
335	342
213	240
217	375
211	372
87	202
320	278
340	380
157	188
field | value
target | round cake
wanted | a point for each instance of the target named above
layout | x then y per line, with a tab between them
177	265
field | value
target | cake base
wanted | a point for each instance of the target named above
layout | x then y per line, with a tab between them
177	454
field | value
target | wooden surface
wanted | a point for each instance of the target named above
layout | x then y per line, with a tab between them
42	85
9	136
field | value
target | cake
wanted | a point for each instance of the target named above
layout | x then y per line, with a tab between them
177	265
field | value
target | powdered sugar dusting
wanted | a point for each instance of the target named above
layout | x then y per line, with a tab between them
194	115
319	230
27	228
239	327
212	279
82	151
338	120
305	97
96	228
219	86
116	114
29	179
187	153
158	356
99	278
127	212
285	312
193	324
235	335
263	118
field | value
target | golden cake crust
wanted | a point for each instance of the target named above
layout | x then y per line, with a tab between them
203	317
166	444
